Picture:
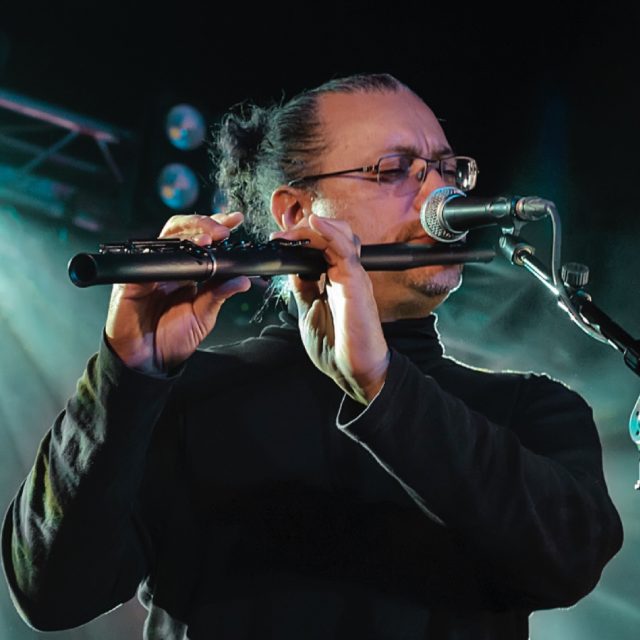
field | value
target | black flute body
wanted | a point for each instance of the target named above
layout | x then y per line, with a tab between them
138	261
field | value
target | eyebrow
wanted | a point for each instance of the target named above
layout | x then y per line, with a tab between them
411	150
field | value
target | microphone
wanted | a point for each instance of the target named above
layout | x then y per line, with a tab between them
448	214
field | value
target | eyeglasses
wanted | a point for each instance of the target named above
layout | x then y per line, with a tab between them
405	173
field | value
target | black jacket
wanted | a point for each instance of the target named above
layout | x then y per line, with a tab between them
245	497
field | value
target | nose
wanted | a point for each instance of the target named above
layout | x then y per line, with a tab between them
432	182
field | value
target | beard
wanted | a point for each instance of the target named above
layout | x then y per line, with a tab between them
435	282
414	293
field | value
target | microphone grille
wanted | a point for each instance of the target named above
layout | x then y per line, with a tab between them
431	214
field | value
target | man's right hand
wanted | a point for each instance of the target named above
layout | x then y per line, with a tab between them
154	327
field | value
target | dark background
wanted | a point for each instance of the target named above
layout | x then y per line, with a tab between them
545	98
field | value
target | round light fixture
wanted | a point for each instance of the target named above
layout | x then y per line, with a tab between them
185	127
178	186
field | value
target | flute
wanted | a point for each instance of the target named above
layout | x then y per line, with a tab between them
175	259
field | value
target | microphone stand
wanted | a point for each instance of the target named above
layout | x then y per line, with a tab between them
567	284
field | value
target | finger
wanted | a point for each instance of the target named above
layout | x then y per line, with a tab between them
341	249
230	220
343	245
306	292
313	239
212	296
138	292
186	227
202	239
202	231
334	237
124	291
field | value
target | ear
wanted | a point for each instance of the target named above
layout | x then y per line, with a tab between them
290	205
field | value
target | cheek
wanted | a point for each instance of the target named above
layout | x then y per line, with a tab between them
324	208
374	220
376	226
365	226
372	231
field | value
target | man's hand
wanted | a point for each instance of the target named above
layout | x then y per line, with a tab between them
154	327
338	316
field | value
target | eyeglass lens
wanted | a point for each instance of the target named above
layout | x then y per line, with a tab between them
406	174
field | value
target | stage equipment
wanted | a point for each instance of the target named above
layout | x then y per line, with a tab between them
185	127
64	165
448	211
178	186
174	162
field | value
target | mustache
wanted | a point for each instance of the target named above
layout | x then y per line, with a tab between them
412	232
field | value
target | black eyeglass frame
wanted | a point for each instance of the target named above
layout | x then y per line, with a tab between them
375	169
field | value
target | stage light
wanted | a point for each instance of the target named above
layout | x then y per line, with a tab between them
174	166
178	186
185	127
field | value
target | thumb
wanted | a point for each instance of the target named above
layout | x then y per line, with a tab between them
212	296
306	292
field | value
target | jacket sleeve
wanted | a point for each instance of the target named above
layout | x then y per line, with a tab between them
73	542
526	501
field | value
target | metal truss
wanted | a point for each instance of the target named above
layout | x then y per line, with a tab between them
36	144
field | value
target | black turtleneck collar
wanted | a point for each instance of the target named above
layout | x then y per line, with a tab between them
416	338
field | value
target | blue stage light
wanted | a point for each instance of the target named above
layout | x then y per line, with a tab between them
185	127
178	186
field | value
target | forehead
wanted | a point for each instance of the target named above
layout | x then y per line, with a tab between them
362	126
